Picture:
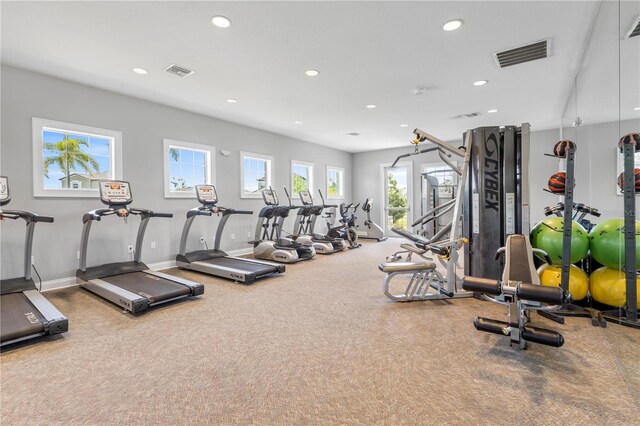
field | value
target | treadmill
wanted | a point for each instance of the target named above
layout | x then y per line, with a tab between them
24	312
217	262
131	285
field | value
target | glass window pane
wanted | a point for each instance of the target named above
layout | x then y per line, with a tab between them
73	161
99	146
174	155
198	157
186	156
199	173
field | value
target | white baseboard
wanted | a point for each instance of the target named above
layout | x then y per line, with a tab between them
158	266
58	284
240	252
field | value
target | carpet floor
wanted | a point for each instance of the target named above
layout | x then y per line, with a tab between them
319	345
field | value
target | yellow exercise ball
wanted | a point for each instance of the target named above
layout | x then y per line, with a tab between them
608	286
551	276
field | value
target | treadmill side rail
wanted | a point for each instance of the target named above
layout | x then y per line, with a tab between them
237	275
56	322
279	266
196	288
128	300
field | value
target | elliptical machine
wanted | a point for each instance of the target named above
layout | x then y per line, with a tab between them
346	230
299	234
305	224
373	231
268	243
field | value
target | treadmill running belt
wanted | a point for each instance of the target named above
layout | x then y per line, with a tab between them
19	317
242	265
154	288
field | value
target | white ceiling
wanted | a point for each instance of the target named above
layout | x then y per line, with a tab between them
610	60
366	52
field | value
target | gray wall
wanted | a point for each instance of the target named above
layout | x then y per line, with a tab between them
144	125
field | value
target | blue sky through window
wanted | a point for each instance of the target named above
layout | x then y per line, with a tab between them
187	168
98	148
255	174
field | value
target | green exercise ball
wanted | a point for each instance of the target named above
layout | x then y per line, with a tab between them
606	241
547	235
609	286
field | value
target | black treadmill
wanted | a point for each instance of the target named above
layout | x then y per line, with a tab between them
25	313
131	285
217	262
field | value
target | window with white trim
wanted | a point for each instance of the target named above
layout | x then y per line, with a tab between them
255	174
186	165
447	179
69	159
335	182
301	177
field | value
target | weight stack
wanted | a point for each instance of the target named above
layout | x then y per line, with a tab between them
493	198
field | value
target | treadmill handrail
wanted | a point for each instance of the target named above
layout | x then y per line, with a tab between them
207	210
149	213
31	219
27	216
97	214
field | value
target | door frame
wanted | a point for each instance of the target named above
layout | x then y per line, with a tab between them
383	194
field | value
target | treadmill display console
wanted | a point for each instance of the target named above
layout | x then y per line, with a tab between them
270	197
206	194
306	199
5	196
115	192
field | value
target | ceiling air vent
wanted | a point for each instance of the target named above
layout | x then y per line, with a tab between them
522	54
635	29
468	115
179	71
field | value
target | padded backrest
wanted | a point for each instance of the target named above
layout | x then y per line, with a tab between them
519	260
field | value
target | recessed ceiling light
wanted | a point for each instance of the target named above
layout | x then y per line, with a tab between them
221	21
140	71
404	125
371	106
491	111
312	73
297	122
453	25
232	101
480	82
636	109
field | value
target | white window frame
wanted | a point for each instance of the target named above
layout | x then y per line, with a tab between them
270	161
383	194
340	195
456	177
300	163
38	125
210	158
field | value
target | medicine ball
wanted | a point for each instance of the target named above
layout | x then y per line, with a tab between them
557	182
637	180
633	138
560	148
